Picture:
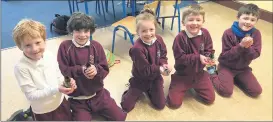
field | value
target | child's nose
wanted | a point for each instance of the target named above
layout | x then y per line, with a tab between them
35	48
194	22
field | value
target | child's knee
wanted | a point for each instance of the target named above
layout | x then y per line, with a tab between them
256	92
210	98
120	117
225	93
128	100
127	105
174	103
160	105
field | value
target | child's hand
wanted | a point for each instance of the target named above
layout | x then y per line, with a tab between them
73	83
90	72
204	60
246	42
166	66
162	71
249	41
65	90
211	62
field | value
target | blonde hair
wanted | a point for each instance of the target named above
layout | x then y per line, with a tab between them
28	28
145	14
194	9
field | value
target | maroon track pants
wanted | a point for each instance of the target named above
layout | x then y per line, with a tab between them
102	104
180	84
245	80
154	90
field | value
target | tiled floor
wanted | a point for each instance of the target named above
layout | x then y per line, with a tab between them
218	18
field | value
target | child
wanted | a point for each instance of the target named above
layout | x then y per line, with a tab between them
192	48
84	60
149	62
38	74
240	45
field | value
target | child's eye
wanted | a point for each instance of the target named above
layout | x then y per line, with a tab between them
38	42
253	20
246	18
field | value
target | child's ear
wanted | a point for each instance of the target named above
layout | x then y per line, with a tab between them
183	23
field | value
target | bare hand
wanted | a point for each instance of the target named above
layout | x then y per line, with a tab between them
246	42
90	72
249	41
73	83
168	67
162	71
204	60
65	90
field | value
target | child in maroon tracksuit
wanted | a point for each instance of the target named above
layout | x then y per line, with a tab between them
149	62
240	45
85	61
192	48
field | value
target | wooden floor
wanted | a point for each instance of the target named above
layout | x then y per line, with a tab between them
218	18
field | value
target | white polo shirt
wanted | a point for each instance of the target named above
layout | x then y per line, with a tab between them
39	81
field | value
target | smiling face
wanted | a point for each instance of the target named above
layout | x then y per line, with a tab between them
81	36
33	48
146	30
193	23
247	21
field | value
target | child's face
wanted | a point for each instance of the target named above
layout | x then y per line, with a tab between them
81	36
33	48
193	23
146	30
247	21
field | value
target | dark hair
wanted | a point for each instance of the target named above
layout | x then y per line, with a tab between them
249	9
80	21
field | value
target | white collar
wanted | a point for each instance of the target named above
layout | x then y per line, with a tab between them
190	35
38	63
81	46
153	41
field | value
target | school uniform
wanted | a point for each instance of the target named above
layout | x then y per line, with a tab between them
72	57
189	69
39	81
234	62
147	59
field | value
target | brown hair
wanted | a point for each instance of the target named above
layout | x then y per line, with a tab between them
79	21
146	14
249	9
28	28
194	9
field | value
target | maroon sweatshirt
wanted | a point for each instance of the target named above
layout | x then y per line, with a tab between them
187	52
236	57
71	59
147	59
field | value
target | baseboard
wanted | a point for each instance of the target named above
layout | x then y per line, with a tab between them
264	14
